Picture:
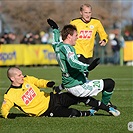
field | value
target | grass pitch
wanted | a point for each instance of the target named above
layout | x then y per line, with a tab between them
102	122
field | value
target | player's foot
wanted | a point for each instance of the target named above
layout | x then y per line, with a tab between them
111	105
92	112
113	111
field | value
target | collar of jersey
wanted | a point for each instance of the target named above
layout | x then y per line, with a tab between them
12	86
86	22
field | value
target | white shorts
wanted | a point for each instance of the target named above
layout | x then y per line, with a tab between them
91	88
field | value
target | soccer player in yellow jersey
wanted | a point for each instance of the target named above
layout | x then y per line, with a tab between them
87	27
24	94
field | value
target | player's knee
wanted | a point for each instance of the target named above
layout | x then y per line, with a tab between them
109	84
75	113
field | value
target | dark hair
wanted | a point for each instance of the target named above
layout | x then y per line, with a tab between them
87	5
67	29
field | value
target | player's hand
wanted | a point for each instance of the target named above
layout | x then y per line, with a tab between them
102	42
52	24
94	64
50	84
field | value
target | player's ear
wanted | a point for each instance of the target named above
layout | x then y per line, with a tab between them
69	36
11	79
81	13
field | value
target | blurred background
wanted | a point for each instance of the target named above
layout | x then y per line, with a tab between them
24	23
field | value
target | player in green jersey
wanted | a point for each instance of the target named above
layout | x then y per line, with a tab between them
72	69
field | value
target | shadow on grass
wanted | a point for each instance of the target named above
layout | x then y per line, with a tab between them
13	116
24	115
100	114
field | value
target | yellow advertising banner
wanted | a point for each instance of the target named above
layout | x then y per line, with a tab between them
22	54
128	51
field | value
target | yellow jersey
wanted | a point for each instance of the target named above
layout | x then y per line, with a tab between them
27	97
86	35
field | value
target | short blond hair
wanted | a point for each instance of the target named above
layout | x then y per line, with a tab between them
87	5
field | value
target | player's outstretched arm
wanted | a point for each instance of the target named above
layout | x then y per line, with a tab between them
52	24
94	64
56	32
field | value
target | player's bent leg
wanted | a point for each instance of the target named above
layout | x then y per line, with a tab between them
77	113
106	96
111	105
96	105
69	112
108	91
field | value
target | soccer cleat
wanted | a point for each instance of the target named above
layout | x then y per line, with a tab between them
111	105
92	112
113	111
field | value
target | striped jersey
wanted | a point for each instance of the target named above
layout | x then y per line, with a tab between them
72	69
86	35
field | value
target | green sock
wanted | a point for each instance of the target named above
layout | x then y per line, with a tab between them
106	97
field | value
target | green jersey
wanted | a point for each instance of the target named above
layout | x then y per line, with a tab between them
72	69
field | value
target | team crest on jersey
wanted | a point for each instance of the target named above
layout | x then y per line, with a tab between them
85	34
28	96
70	54
27	86
91	26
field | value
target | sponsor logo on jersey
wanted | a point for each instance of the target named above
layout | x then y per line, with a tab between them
28	96
85	34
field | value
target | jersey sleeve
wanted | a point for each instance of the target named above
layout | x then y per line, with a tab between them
56	37
71	22
72	59
40	83
6	106
74	22
102	33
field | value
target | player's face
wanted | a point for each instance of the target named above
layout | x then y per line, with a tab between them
18	78
86	13
74	37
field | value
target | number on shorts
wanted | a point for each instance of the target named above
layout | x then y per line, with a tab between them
96	84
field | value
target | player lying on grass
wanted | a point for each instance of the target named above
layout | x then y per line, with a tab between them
24	94
73	78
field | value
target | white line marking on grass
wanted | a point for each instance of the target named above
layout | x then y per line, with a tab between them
3	88
123	89
125	79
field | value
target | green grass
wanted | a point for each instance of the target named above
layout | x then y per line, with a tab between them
102	122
